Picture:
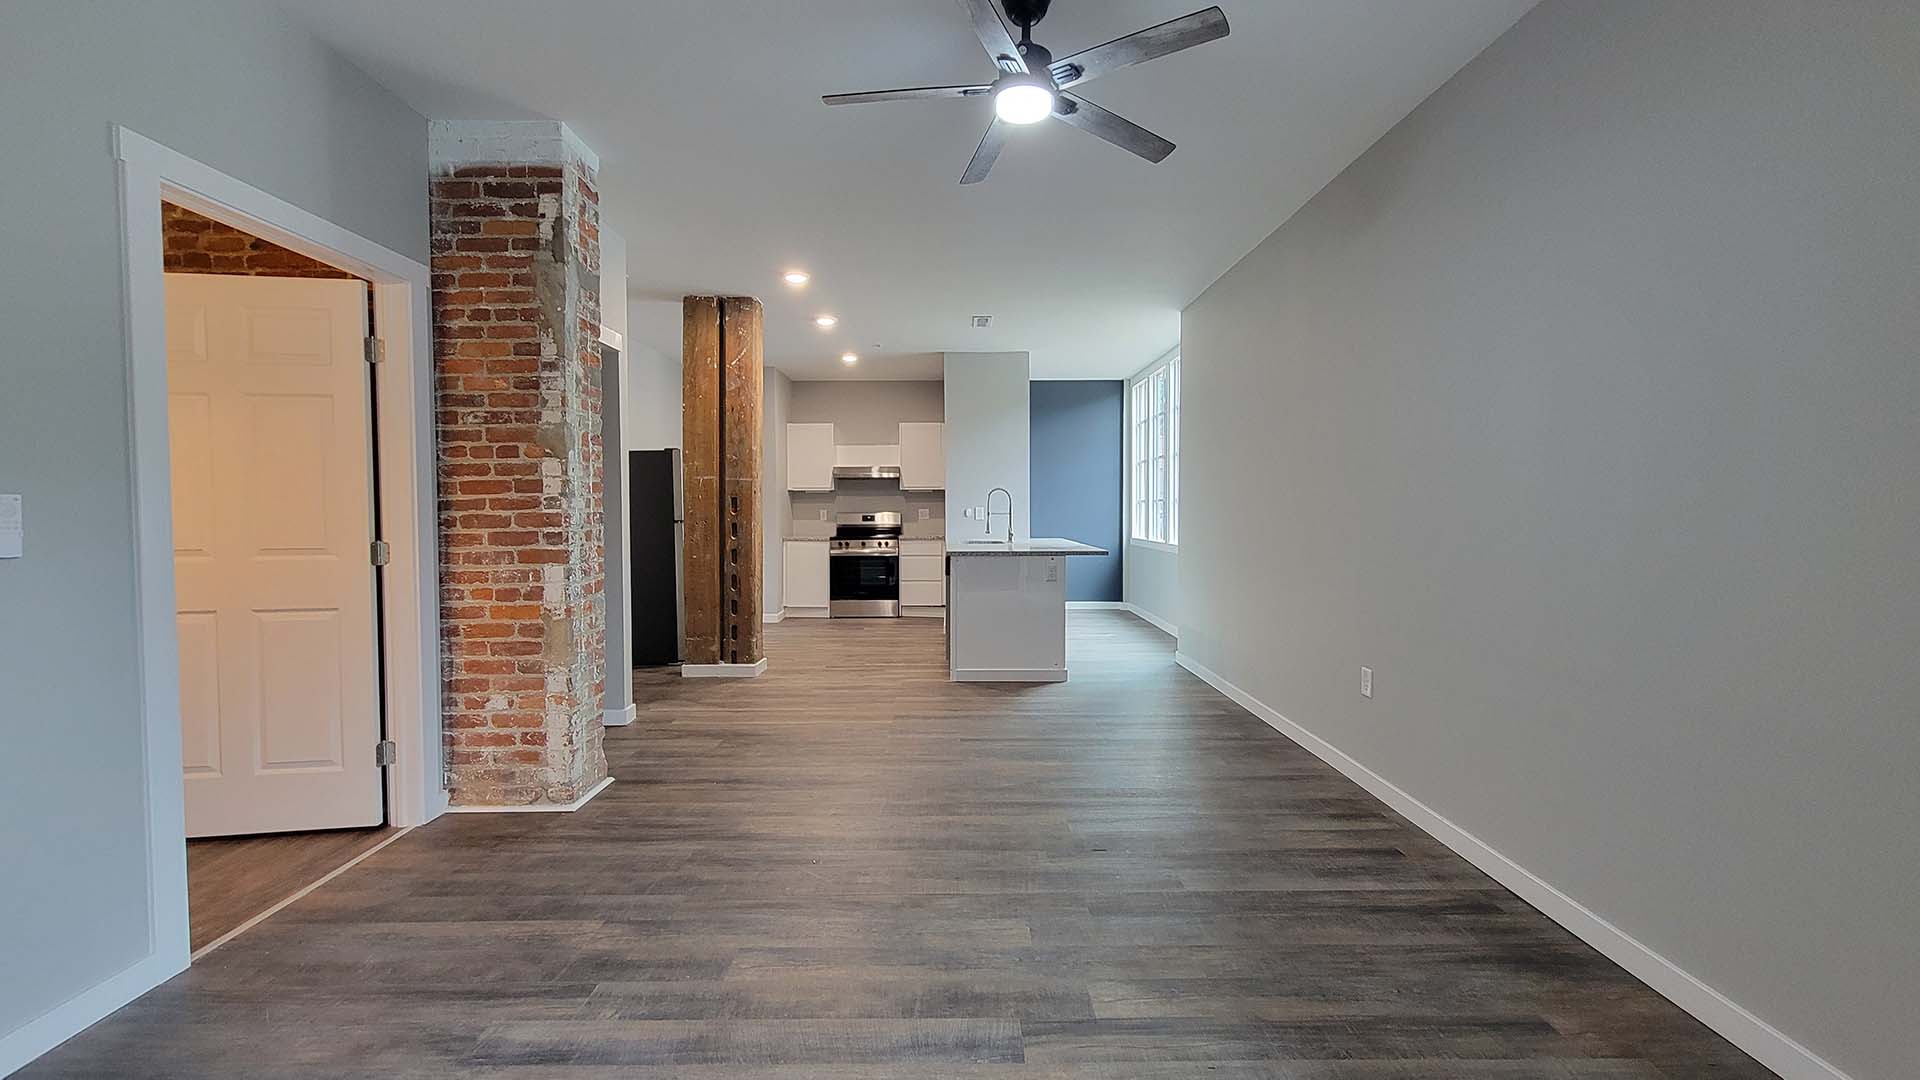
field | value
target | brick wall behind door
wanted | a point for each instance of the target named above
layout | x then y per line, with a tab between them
197	244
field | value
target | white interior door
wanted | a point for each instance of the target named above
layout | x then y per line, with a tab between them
268	413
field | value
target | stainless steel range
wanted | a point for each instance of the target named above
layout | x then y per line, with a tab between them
863	561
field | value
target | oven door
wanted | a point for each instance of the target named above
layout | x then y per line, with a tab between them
863	585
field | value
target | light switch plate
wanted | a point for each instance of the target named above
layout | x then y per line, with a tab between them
925	513
12	528
1366	682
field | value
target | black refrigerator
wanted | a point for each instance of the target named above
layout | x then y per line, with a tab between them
654	521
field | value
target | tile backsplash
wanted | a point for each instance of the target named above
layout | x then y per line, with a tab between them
866	496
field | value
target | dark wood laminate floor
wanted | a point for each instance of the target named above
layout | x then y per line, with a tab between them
852	868
232	879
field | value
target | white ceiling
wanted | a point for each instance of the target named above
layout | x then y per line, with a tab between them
721	168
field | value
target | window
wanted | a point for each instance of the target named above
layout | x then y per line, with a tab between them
1155	453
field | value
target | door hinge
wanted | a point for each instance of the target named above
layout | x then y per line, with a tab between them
385	753
376	351
381	553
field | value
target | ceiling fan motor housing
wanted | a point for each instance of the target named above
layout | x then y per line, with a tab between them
1026	12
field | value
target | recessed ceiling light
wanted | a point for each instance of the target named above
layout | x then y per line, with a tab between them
826	321
796	278
849	359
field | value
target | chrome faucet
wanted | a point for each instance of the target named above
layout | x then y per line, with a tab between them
1009	496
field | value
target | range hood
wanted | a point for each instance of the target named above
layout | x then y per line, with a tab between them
866	472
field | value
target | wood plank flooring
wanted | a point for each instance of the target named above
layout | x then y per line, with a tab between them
232	879
852	868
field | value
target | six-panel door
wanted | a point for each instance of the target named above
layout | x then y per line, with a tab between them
272	468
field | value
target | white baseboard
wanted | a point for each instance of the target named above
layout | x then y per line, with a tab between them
1166	627
1009	675
923	612
1766	1043
81	1011
535	808
621	717
806	613
1096	605
774	616
724	671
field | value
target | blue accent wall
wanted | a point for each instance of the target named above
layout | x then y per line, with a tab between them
1076	468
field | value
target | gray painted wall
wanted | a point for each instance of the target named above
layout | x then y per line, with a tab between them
868	413
1152	578
1582	408
232	84
988	439
653	399
776	398
1079	449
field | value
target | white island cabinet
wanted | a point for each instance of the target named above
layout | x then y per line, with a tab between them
1007	609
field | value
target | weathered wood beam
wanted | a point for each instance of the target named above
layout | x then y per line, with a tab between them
722	396
700	480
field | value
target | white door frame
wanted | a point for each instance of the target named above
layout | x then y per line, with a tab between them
149	173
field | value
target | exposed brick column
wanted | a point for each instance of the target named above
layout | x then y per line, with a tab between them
516	293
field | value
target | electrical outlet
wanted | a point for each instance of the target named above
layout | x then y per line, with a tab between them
1366	682
925	513
826	515
980	513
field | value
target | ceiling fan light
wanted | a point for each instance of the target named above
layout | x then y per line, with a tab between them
1023	100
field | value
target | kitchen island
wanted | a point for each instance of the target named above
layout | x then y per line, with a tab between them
1007	609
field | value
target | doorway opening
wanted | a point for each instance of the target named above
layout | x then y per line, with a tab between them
272	414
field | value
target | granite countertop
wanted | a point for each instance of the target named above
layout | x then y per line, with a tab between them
1039	545
824	539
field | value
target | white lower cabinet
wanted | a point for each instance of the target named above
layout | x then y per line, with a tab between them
923	574
804	581
923	594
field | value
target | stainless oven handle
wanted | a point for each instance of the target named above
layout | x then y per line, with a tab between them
865	554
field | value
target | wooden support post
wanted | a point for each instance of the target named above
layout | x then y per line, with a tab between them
720	455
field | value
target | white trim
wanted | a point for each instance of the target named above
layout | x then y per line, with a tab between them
806	613
612	339
27	1042
724	671
1036	675
933	611
1161	624
535	808
276	908
149	172
621	717
1766	1043
1134	541
453	143
772	617
1096	605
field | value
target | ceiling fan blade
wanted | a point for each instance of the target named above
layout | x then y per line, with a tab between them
1117	130
995	35
1169	37
987	154
918	93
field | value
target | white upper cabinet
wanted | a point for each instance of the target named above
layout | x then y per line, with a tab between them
923	457
810	456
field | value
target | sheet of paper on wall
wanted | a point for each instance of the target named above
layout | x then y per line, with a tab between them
12	530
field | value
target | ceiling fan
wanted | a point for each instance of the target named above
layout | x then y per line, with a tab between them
1033	85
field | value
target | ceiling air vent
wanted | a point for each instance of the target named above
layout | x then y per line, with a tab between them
982	322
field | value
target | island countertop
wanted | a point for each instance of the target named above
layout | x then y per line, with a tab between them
1039	545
